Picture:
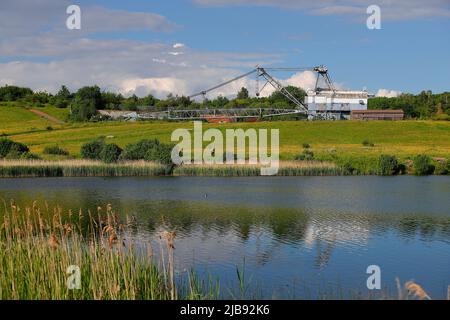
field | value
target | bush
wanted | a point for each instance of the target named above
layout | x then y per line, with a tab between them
29	156
161	153
15	148
55	150
348	168
306	155
92	150
422	165
306	146
388	165
138	151
367	143
110	153
442	168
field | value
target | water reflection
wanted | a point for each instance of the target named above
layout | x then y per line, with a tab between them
288	230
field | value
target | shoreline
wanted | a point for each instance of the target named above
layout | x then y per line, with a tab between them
89	168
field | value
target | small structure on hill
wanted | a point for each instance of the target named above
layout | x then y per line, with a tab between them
377	115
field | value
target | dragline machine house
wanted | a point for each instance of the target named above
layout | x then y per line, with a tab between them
330	103
322	102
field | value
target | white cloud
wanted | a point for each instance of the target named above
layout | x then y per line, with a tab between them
388	93
173	53
178	45
391	10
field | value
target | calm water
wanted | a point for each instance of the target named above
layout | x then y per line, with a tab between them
300	237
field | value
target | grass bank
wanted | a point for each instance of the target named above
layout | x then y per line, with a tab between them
286	168
77	168
88	168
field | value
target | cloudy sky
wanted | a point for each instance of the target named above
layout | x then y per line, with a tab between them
183	46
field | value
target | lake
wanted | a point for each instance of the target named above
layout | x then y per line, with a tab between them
296	237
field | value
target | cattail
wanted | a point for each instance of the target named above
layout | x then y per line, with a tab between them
53	242
416	290
112	239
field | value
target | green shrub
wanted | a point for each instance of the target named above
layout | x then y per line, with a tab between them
442	168
367	143
55	150
138	151
348	169
110	153
306	146
29	156
49	128
388	165
306	155
92	150
161	153
15	148
422	165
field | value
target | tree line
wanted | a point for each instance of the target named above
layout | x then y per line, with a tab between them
85	102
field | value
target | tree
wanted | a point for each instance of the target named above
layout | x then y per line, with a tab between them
110	153
13	93
91	150
111	100
242	94
278	98
63	97
86	102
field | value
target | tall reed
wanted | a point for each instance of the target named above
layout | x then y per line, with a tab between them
39	245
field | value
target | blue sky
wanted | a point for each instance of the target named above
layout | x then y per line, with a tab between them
221	39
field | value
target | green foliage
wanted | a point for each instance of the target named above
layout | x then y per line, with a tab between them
62	98
388	165
348	168
13	93
279	99
149	150
306	155
86	102
423	105
422	165
442	167
55	150
110	153
92	150
111	100
243	94
306	146
367	143
138	151
161	153
29	156
11	149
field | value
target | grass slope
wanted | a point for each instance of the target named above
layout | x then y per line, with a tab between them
337	141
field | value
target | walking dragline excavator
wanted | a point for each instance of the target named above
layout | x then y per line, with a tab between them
320	103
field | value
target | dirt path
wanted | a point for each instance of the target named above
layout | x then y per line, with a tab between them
47	116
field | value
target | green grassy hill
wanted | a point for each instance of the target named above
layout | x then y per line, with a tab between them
330	140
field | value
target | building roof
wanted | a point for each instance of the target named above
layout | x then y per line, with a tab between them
377	111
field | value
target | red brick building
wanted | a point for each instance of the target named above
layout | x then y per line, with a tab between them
377	115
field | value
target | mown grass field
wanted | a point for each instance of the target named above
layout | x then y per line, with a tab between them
330	140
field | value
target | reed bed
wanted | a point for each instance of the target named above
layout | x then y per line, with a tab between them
78	168
37	247
286	168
